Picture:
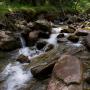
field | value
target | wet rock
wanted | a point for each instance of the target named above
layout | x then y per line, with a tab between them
81	33
73	38
67	31
87	41
44	35
61	35
43	72
49	47
67	74
61	40
40	45
21	25
32	37
23	59
30	24
88	80
8	42
69	21
2	25
42	66
87	76
42	25
71	27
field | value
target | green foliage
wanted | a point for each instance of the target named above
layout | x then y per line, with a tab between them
83	5
46	5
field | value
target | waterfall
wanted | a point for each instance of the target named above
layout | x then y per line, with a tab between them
23	43
26	50
23	50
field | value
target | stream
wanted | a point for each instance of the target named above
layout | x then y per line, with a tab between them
15	76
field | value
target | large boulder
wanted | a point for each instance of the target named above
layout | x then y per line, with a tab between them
8	42
42	25
67	74
42	66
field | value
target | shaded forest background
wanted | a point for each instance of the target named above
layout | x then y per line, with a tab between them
49	5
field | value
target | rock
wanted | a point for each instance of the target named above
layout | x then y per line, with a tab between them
30	24
87	76
73	38
42	66
61	35
81	33
61	40
71	27
69	21
21	25
23	59
67	74
42	25
8	42
2	25
87	41
87	80
32	37
44	35
42	72
67	31
40	45
49	47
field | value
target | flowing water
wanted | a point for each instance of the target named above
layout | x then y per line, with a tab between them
15	76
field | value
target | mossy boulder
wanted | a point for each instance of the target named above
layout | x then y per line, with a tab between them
73	38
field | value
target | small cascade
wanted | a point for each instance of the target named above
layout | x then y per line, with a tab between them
23	43
15	76
24	50
27	51
53	36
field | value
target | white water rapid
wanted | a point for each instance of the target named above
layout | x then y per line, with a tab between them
16	76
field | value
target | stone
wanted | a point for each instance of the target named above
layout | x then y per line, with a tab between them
61	40
61	35
87	41
23	59
40	45
8	42
81	33
43	71
73	38
67	74
2	25
42	66
32	37
87	76
44	35
49	47
67	31
42	25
